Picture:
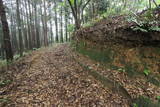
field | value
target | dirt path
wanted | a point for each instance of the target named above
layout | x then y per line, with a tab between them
52	78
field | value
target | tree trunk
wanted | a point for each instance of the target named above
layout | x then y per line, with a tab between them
33	26
6	36
37	27
56	22
150	5
51	31
19	29
30	26
66	22
45	25
14	40
61	24
26	46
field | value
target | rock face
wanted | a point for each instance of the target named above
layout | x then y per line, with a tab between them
118	30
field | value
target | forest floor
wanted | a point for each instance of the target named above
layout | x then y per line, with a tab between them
57	76
52	77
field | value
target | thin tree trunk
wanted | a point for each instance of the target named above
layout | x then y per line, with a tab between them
37	27
19	29
51	31
2	51
150	5
13	32
66	22
33	27
56	22
61	24
30	26
45	25
26	46
29	46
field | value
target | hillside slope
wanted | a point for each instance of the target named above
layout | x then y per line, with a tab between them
134	30
128	51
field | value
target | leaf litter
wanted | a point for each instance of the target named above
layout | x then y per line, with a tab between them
50	77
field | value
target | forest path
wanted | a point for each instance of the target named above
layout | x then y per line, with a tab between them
51	77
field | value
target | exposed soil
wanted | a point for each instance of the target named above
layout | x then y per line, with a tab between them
135	87
51	77
118	30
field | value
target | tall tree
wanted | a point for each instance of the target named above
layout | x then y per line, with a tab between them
36	25
66	20
77	7
55	18
6	36
61	22
51	28
19	29
45	24
30	25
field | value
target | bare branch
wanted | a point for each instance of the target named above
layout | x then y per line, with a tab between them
85	4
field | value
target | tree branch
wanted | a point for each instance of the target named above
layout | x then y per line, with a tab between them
85	4
80	3
75	6
72	8
155	3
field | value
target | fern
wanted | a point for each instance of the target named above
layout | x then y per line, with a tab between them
154	28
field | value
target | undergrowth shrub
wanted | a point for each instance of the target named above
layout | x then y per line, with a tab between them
143	101
145	23
3	63
4	83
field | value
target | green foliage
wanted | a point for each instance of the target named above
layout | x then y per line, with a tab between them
71	28
72	2
137	28
145	22
146	72
158	98
143	101
4	83
155	28
148	15
17	56
34	49
4	100
135	105
88	24
121	70
62	4
113	67
3	63
94	21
